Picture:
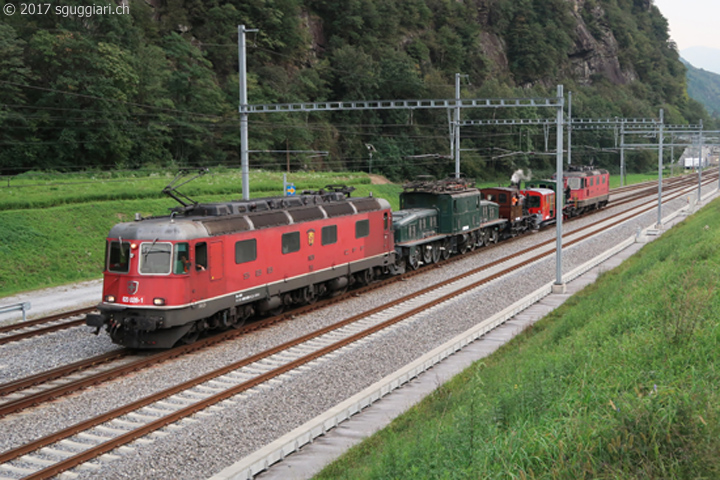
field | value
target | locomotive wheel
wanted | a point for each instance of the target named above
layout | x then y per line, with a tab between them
243	313
238	323
493	237
482	238
366	277
436	252
414	259
310	294
472	242
427	254
445	250
189	337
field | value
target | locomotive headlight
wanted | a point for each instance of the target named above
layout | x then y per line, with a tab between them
133	246
158	301
110	298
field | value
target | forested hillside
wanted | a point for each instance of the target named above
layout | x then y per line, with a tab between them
159	86
704	87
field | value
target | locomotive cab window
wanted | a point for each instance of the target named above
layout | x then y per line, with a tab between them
181	263
328	235
502	198
201	256
362	228
245	251
290	242
155	258
118	257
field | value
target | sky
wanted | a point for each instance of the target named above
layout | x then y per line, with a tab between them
693	23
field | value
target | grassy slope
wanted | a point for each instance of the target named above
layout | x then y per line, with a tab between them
59	238
620	382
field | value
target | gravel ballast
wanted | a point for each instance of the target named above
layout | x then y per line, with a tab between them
219	438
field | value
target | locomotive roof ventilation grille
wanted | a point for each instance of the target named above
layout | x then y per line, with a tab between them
366	204
338	209
269	219
221	226
306	214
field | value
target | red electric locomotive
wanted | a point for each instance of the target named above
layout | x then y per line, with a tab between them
586	189
211	266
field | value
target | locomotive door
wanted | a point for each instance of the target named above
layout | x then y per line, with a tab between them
217	268
386	232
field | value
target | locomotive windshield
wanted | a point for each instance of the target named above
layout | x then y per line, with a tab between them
533	201
574	183
118	256
155	257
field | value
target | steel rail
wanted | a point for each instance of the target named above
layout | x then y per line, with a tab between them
40	321
54	374
58	391
48	319
123	439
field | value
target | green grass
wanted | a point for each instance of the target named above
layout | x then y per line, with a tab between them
52	230
621	382
42	190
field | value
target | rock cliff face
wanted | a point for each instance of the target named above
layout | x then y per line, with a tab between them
596	54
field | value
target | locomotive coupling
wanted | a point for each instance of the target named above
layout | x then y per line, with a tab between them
95	320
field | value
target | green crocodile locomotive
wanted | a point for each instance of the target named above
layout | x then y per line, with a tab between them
440	218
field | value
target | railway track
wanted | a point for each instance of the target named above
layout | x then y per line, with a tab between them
121	426
36	389
669	185
42	326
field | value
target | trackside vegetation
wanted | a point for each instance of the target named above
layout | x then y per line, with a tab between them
621	382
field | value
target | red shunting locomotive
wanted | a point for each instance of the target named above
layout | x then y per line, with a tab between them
212	266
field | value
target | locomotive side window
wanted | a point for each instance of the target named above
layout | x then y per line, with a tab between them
118	257
362	228
201	256
155	257
245	251
329	235
502	198
290	242
182	258
385	221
